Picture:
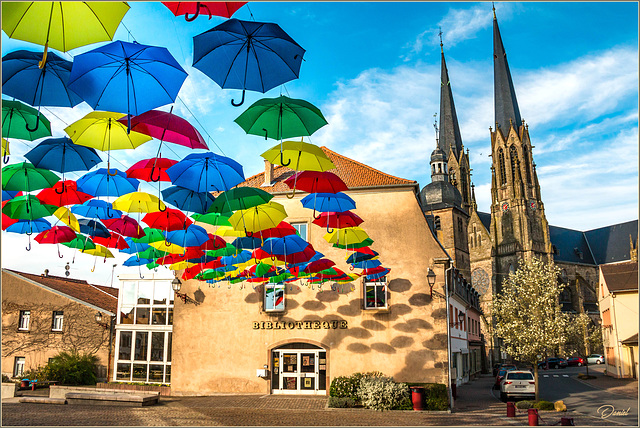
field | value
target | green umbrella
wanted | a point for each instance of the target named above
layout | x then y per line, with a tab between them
19	121
152	265
229	250
281	117
81	242
27	207
210	274
151	253
26	177
279	278
215	219
151	235
367	242
239	198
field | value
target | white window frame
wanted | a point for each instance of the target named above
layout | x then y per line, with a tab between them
274	287
379	282
148	361
18	366
57	321
298	225
24	321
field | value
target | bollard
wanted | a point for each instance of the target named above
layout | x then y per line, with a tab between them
511	409
33	386
566	422
533	417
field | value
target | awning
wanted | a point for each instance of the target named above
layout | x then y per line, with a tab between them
633	340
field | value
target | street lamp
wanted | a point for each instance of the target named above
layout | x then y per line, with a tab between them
176	284
431	279
461	316
112	320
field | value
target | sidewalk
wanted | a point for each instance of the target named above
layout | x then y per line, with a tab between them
628	387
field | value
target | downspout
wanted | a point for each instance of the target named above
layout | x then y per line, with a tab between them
615	321
448	268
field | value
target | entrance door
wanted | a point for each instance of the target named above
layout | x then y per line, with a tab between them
297	371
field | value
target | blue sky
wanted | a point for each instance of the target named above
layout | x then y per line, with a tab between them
373	68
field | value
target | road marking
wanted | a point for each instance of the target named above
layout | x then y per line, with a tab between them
565	375
545	375
555	375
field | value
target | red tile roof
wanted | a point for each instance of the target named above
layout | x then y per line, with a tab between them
97	295
354	174
621	276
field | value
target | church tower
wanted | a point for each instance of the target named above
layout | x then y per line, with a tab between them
519	228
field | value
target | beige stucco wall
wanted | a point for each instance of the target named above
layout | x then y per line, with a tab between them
216	349
79	329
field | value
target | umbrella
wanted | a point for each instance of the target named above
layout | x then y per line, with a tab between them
304	156
136	261
167	247
100	251
101	130
134	247
67	218
213	243
123	76
346	236
168	220
192	236
23	79
10	194
146	169
63	193
139	202
56	235
206	172
102	183
255	56
188	200
316	182
93	228
25	176
258	218
150	235
21	121
247	242
5	150
318	265
286	245
300	257
355	246
151	253
359	257
225	9
332	219
281	230
114	241
214	219
80	242
62	25
125	226
95	208
239	198
236	259
29	226
229	231
367	264
327	202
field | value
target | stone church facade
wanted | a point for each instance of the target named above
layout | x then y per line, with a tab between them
485	247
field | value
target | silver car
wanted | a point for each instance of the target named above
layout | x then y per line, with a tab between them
517	383
595	359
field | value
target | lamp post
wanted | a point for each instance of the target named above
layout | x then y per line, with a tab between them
431	279
112	320
176	284
448	268
461	316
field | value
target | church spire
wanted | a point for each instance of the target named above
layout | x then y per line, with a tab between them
449	129
505	102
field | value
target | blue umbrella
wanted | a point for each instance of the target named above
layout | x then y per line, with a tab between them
29	226
247	242
95	208
93	228
102	183
247	55
136	261
123	76
206	172
192	236
188	200
203	259
289	244
358	257
367	264
317	256
242	257
325	202
377	275
9	194
134	247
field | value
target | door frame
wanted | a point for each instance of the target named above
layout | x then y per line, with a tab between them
282	346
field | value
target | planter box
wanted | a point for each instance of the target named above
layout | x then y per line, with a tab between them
9	390
56	391
163	390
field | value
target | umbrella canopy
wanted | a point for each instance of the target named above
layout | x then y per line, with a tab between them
125	226
188	200
298	156
229	231
316	182
346	236
114	241
56	235
281	118
150	235
218	8
63	155
281	230
93	228
300	257
355	246
127	77
102	183
213	243
168	220
23	79
339	220
319	265
326	202
65	215
167	127
95	208
247	242
154	169
27	207
134	247
367	264
80	242
206	172
63	193
258	218
139	202
214	219
136	261
21	121
286	245
359	257
192	236
239	198
100	251
5	150
29	226
24	176
247	55
10	194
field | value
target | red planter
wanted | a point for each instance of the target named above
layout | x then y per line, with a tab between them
417	397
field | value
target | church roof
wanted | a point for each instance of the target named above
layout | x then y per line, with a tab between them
449	132
621	276
610	244
505	102
485	218
571	246
438	195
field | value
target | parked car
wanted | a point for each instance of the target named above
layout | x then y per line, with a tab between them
554	363
499	378
595	359
496	367
575	361
518	383
509	366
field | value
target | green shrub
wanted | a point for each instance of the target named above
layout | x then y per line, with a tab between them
347	386
6	379
35	374
382	393
544	405
72	369
405	404
436	396
341	402
524	404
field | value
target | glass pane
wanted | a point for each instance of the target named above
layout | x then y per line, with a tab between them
161	293
169	347
290	363
167	376
274	297
170	317
155	373
159	316
171	295
129	293
124	352
381	296
157	346
126	315
145	292
124	371
142	339
275	370
139	373
289	383
308	383
308	363
370	296
322	371
142	315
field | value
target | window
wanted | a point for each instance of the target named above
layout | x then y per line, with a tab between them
513	155
460	227
525	158
469	324
301	229
463	179
18	367
274	297
436	223
151	356
503	174
375	293
56	323
23	321
606	318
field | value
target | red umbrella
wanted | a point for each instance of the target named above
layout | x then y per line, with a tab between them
190	253
371	271
125	226
63	193
215	242
168	220
364	250
225	9
153	169
319	265
6	220
56	235
192	271
316	182
300	257
282	229
114	241
167	127
338	220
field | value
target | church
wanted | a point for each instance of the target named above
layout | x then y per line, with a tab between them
486	247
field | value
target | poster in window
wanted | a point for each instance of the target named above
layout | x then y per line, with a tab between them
322	361
307	382
291	383
275	370
322	367
276	362
305	360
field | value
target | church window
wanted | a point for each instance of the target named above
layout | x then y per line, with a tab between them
452	174
436	223
460	228
471	241
513	154
525	158
503	174
463	179
479	239
433	168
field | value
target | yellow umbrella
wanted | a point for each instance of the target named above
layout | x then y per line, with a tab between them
65	215
138	202
5	148
100	251
258	218
181	265
101	130
299	156
229	231
346	236
169	249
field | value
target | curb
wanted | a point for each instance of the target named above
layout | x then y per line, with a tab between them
604	389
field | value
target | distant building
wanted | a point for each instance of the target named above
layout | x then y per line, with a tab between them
43	315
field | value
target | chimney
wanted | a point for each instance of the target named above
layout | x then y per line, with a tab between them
268	173
46	273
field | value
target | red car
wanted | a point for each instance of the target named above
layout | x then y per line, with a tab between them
575	361
499	377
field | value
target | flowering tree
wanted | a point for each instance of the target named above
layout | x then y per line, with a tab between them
527	313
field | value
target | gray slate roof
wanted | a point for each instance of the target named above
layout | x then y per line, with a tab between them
505	102
570	244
